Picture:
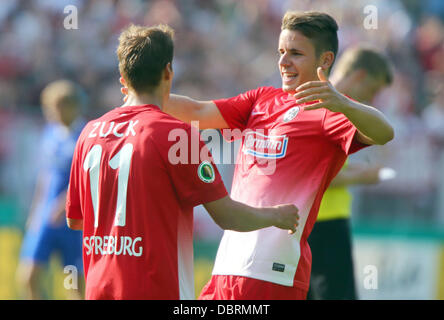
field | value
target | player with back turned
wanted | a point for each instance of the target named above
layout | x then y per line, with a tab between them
133	201
304	131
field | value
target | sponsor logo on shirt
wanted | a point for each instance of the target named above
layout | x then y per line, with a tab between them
263	146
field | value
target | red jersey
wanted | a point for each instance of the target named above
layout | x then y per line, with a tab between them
287	155
134	182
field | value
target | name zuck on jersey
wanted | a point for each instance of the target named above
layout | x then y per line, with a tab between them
102	129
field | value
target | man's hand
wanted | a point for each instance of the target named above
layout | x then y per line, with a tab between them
287	217
323	92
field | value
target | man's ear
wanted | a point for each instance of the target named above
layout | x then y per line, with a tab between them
168	71
326	60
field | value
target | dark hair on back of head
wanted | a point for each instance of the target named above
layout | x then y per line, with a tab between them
143	53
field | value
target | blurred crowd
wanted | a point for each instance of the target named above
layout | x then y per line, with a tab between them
224	47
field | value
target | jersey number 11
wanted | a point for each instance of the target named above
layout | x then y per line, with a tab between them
121	161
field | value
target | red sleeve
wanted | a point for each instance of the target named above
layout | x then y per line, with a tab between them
195	178
73	209
236	110
340	131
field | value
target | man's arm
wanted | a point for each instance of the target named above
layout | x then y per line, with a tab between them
356	174
37	198
75	224
233	215
373	127
59	208
187	110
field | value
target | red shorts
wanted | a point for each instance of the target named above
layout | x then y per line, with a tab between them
241	288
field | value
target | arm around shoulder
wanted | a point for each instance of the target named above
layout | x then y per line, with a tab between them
233	215
187	109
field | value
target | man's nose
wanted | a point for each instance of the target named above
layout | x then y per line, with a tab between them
283	61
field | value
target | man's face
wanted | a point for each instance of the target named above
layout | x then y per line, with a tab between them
367	89
66	113
297	62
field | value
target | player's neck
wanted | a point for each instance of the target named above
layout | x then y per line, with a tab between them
144	98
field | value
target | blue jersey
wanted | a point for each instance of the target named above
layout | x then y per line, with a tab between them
54	161
57	148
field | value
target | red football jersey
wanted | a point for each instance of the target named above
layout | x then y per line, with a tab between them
287	155
135	179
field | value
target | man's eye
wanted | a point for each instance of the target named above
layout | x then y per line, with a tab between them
293	53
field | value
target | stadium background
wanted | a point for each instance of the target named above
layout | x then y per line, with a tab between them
224	47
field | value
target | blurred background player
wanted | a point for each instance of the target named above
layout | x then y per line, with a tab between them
134	198
360	73
46	230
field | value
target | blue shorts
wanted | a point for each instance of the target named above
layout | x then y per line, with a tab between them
38	245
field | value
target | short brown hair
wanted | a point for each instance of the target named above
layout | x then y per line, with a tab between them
143	53
319	27
368	59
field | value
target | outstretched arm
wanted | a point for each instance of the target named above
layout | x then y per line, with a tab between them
354	174
187	110
373	127
233	215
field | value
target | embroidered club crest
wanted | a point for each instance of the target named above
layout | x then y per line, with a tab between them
206	172
291	114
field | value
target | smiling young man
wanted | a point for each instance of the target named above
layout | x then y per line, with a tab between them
305	130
